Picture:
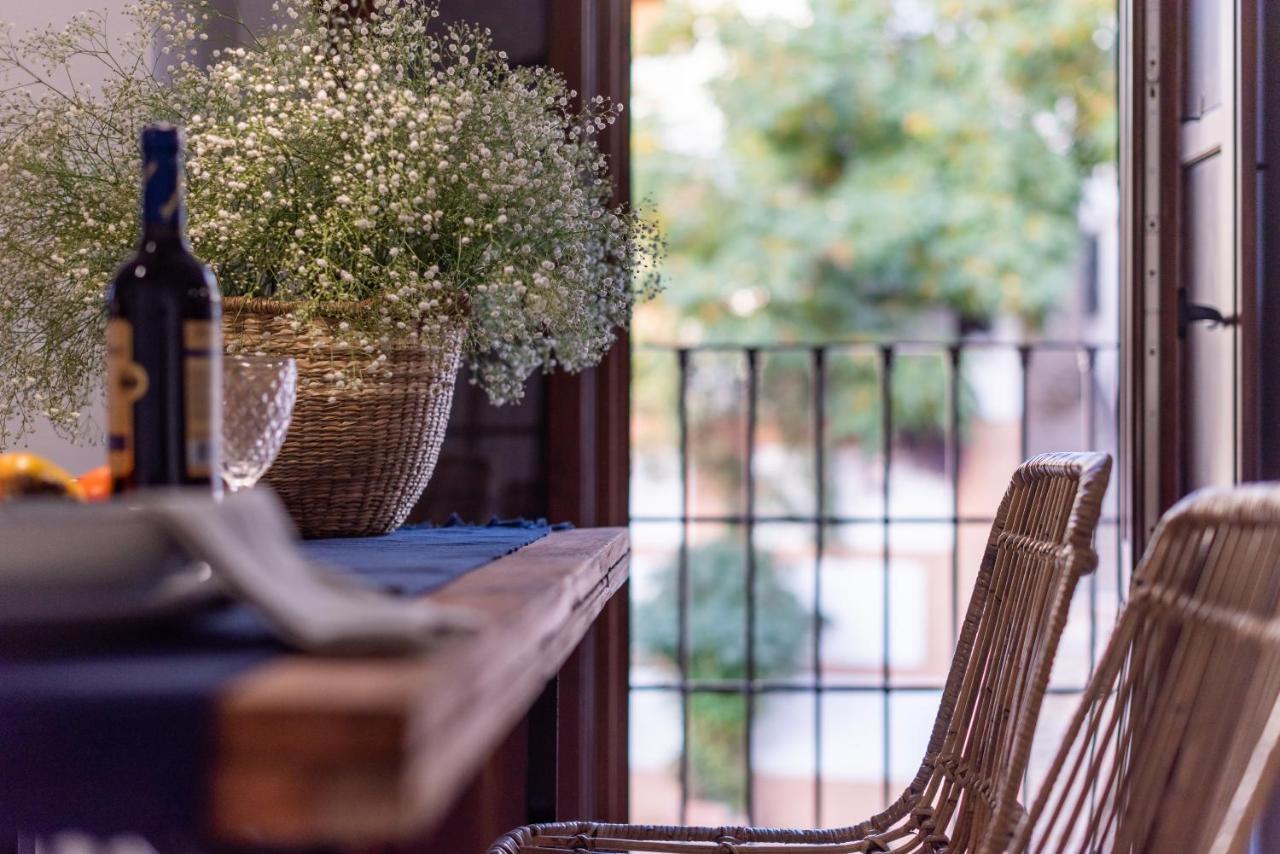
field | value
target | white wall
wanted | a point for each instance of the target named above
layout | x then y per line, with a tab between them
27	15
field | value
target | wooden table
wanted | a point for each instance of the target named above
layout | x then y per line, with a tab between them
348	753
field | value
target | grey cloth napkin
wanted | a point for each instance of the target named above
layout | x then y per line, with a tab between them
249	542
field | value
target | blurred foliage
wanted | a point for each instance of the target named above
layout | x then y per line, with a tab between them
888	168
883	157
718	649
717	401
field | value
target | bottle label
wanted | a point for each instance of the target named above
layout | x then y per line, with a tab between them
126	384
201	361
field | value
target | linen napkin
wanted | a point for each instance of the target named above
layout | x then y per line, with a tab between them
249	542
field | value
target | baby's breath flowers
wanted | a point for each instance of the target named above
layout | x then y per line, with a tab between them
378	160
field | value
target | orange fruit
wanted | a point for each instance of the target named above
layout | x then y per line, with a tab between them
96	483
27	475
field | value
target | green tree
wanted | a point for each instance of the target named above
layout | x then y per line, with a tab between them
880	158
718	650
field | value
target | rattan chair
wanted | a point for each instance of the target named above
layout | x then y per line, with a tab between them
1040	545
1173	746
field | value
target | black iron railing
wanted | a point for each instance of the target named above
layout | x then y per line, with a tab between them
1091	396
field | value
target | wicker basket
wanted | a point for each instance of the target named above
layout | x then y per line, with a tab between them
354	465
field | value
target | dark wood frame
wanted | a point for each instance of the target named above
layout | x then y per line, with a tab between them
589	413
570	753
1268	236
1251	287
1148	142
589	450
1152	402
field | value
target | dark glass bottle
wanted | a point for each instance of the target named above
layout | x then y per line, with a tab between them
164	342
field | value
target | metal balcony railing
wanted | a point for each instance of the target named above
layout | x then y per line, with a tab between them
1093	406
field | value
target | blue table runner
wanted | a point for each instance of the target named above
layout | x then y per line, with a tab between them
119	738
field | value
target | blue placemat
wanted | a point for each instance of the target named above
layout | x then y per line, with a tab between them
118	738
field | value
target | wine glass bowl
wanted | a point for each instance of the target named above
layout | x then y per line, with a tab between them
258	393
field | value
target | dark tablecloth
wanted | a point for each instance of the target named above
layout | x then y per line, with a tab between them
117	737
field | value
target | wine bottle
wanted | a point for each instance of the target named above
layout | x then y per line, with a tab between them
164	342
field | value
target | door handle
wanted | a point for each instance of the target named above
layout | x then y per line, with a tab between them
1194	312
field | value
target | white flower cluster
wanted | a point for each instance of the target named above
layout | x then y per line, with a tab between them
373	158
